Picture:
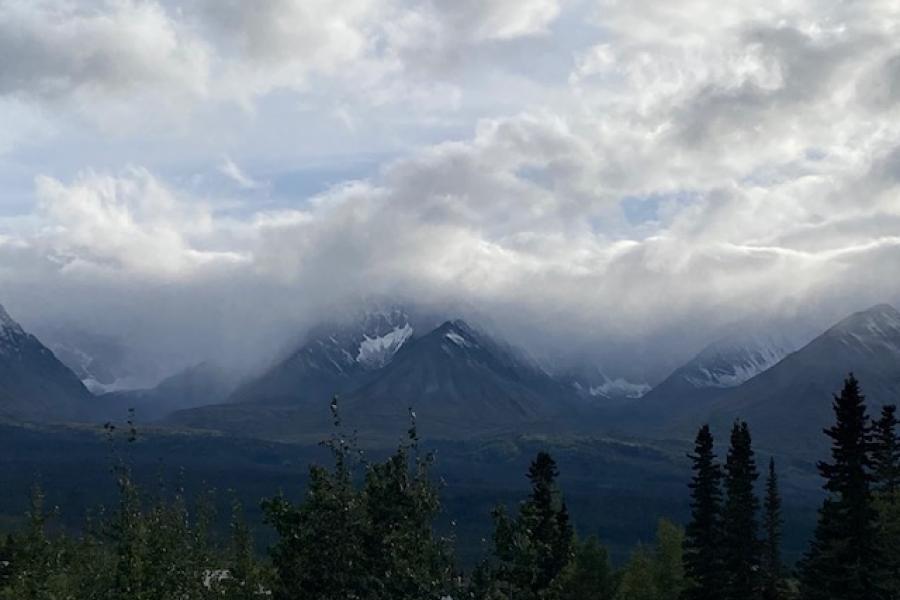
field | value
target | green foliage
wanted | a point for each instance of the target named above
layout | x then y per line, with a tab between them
588	575
774	586
703	535
638	579
740	547
531	551
886	469
888	523
655	573
844	560
373	541
365	532
670	560
247	578
34	561
145	550
886	453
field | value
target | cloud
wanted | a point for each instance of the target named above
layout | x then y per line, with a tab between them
55	49
229	169
114	51
591	175
502	219
130	225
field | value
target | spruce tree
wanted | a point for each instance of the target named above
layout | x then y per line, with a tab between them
702	545
886	467
545	515
886	453
773	586
740	529
532	551
844	560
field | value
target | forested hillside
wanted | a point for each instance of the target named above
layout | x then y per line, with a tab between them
367	529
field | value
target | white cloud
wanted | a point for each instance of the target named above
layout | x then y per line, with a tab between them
54	49
607	169
229	169
129	226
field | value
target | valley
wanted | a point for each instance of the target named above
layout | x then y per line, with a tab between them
481	405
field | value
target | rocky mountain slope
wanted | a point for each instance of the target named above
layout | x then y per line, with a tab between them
788	405
34	384
458	380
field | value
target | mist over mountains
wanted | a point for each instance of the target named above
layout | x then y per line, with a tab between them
480	401
463	382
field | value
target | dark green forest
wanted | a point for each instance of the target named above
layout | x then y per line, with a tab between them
367	528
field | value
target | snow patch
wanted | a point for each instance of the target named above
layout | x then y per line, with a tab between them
376	352
458	339
873	331
729	364
619	388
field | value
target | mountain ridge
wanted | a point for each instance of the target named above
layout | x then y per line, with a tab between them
34	384
788	405
458	379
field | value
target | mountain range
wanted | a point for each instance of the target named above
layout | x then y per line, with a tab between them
458	380
789	404
719	367
462	382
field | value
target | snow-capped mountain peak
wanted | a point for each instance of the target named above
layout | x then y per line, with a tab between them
874	330
11	333
377	351
367	343
731	361
7	323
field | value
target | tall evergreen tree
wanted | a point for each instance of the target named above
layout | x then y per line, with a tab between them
886	470
547	518
886	453
532	551
702	545
844	560
740	529
773	586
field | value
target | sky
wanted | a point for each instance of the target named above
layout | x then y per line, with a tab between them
204	179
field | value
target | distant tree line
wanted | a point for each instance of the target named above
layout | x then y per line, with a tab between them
365	531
